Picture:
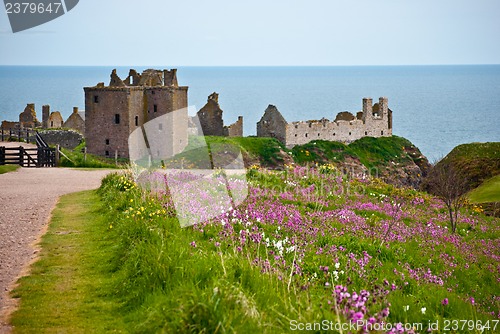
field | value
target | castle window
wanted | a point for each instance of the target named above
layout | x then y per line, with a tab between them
107	141
382	133
96	99
318	134
117	118
334	134
349	133
310	124
366	133
136	120
296	126
306	134
106	153
153	92
51	123
160	126
155	108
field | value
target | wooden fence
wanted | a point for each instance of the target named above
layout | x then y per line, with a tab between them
27	135
28	157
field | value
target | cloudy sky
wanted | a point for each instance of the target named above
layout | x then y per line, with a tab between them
261	32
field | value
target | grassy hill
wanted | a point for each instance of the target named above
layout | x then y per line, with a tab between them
306	246
487	192
478	161
394	159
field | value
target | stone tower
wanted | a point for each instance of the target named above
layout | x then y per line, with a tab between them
113	112
45	116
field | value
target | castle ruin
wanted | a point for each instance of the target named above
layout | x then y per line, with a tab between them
373	120
54	120
113	112
211	122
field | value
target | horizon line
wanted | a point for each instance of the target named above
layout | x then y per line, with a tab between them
180	66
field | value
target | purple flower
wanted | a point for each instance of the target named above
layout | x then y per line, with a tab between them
357	316
472	301
445	301
193	243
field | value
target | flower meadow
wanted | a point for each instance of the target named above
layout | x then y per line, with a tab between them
307	245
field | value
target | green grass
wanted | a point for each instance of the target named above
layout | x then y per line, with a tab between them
479	161
487	192
78	159
118	260
267	152
371	152
69	289
8	168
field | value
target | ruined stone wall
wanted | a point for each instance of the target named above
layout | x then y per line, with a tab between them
272	124
374	121
45	116
210	117
55	120
65	138
7	125
235	129
27	119
75	122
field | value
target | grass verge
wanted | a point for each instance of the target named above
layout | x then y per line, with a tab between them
8	168
68	289
488	192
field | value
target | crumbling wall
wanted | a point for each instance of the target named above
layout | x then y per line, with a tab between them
210	117
75	121
374	121
55	120
7	125
272	124
211	122
45	116
170	78
151	78
115	80
235	129
27	119
65	138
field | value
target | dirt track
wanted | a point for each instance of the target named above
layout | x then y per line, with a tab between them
27	198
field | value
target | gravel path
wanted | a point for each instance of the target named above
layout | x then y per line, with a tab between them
27	198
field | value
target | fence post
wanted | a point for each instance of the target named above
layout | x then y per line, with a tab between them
116	157
21	156
85	154
57	156
19	135
2	134
2	155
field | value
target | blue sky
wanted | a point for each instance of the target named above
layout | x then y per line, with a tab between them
260	33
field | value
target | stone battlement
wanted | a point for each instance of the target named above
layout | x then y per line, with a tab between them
373	120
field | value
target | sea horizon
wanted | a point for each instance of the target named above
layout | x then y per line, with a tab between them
462	98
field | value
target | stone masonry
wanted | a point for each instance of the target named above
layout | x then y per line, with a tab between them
76	121
211	122
113	112
373	120
27	119
55	120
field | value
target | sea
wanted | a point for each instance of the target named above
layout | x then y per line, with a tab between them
435	107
